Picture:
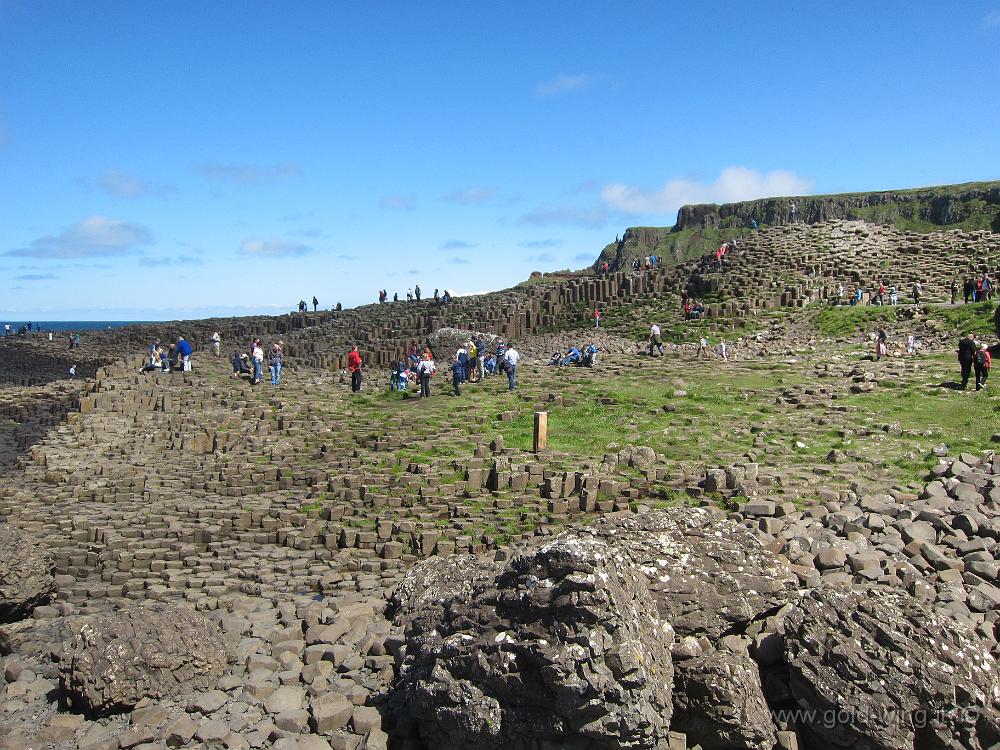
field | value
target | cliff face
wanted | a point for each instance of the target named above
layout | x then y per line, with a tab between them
975	203
701	228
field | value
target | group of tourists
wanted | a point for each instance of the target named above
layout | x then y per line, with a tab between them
976	289
176	356
473	361
586	356
973	355
251	362
413	294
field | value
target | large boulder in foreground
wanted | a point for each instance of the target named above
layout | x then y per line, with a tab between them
562	647
115	660
25	574
708	575
875	669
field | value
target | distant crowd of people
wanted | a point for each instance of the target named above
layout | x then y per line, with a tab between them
414	294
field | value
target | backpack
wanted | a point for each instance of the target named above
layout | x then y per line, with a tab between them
983	358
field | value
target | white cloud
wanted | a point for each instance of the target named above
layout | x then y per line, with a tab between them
36	277
733	184
124	185
541	258
472	196
457	245
563	84
248	174
92	237
992	20
273	248
594	216
397	202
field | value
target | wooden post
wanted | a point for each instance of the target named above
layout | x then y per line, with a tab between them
541	430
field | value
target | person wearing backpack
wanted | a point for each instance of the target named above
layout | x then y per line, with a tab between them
966	356
354	365
982	364
425	369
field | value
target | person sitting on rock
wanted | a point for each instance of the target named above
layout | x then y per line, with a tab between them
239	368
555	359
589	356
490	364
571	357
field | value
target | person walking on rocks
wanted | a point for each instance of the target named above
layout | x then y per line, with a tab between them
982	364
416	292
274	362
966	356
258	362
840	294
917	291
72	371
511	358
216	343
597	317
424	371
954	290
881	344
315	304
655	341
723	351
457	375
184	351
702	347
354	365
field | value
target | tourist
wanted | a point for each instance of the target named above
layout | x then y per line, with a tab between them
911	344
395	296
917	291
239	368
893	296
511	358
571	357
966	356
655	341
954	290
354	365
589	356
258	362
840	294
184	351
490	364
753	224
968	290
76	340
472	366
437	296
416	292
457	376
982	363
702	347
462	357
6	329
409	294
481	354
791	211
216	344
274	362
425	370
339	307
72	371
723	351
881	344
880	297
315	304
50	335
987	287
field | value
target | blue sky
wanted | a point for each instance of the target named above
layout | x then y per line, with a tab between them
181	159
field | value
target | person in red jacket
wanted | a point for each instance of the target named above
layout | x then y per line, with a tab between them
597	318
354	365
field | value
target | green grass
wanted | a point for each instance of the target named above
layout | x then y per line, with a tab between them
978	319
846	320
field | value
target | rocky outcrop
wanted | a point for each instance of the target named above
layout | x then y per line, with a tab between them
874	669
25	574
562	647
115	660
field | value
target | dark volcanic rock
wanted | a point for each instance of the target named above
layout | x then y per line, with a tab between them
151	650
708	575
562	648
25	574
718	703
877	670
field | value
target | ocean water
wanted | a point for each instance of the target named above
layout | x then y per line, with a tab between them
69	325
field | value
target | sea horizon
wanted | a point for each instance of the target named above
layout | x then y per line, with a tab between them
72	325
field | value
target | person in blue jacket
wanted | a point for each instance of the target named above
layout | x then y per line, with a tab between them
572	357
457	375
184	351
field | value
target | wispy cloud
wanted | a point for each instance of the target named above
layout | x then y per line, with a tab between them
457	245
92	237
563	84
992	20
36	277
273	248
180	260
248	174
541	258
539	244
398	202
125	185
472	196
309	232
457	260
733	184
584	216
583	257
344	256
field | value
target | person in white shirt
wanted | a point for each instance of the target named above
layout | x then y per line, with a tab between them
702	347
511	357
723	351
216	344
425	369
655	341
258	362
